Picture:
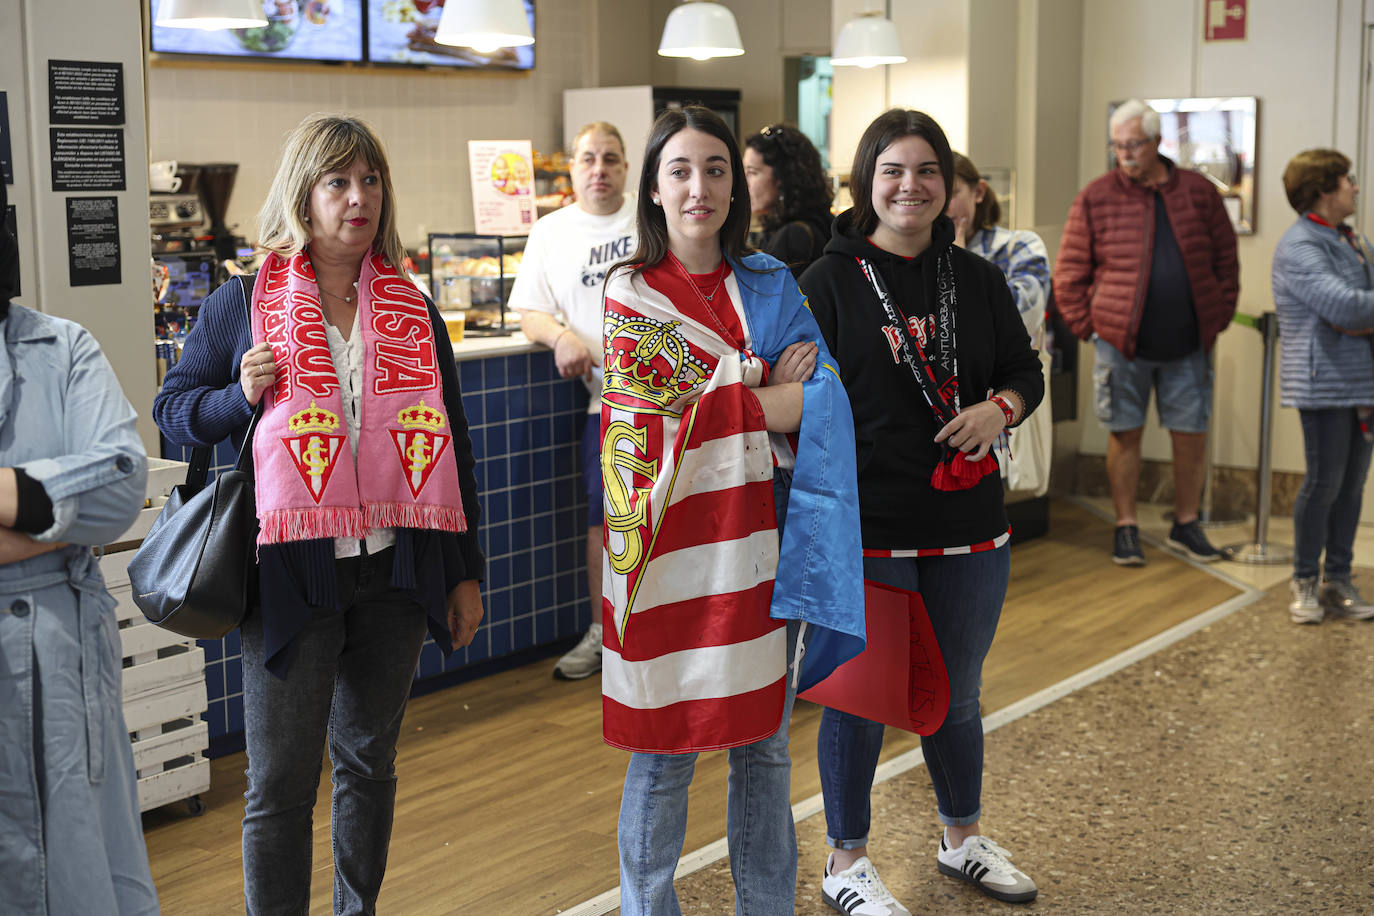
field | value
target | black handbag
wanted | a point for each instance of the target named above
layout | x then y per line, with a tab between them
191	574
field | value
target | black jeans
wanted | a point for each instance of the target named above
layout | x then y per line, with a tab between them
1327	510
350	677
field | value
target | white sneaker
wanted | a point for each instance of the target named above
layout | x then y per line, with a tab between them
583	659
1341	598
1304	608
858	891
986	866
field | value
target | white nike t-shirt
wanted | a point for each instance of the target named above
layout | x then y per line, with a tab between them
564	270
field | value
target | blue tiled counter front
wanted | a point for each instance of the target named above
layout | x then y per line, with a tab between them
525	424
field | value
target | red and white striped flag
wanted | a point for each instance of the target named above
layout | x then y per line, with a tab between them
691	660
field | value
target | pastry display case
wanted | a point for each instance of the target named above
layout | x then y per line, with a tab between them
473	274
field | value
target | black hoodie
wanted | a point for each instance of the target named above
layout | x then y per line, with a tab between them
800	242
894	428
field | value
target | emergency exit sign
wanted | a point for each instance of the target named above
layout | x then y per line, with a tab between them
1224	20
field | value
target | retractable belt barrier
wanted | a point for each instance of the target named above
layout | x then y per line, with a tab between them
1260	552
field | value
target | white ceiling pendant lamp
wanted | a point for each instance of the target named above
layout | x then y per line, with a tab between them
868	40
484	25
701	30
211	14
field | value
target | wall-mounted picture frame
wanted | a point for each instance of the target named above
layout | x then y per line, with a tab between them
1215	137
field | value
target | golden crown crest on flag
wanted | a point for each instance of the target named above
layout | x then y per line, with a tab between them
647	361
421	417
313	419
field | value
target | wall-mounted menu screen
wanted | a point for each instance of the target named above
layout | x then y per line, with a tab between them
402	32
326	30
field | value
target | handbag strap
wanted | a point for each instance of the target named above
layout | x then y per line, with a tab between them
199	468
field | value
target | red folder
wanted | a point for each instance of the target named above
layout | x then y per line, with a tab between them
900	678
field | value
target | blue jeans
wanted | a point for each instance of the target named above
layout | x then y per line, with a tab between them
758	810
350	677
758	823
963	595
1327	510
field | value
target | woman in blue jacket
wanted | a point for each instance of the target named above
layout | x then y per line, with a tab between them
1325	300
72	474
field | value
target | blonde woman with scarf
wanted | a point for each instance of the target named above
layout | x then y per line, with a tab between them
354	370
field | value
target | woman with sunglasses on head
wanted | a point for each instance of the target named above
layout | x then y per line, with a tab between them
790	194
711	359
937	364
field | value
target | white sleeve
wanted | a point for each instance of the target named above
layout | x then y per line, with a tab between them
532	289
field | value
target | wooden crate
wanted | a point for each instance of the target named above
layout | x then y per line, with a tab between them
164	674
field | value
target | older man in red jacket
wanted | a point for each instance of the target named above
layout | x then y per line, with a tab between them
1147	268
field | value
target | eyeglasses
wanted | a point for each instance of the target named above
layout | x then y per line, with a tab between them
772	130
1129	146
1351	178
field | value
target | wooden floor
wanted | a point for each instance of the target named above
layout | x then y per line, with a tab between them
507	793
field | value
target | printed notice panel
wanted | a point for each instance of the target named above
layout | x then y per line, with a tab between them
87	160
93	241
12	225
85	92
6	156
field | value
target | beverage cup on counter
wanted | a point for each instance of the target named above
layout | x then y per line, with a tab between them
163	177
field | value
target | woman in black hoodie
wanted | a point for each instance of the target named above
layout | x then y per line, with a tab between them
937	364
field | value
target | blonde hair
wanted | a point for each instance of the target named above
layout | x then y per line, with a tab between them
598	127
320	144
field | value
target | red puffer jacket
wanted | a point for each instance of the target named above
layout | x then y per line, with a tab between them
1103	267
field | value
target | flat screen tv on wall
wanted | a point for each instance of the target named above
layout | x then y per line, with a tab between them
402	32
311	30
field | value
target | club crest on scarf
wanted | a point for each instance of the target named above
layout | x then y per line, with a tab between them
419	443
314	446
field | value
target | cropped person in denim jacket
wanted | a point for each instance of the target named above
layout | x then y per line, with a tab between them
72	474
1325	300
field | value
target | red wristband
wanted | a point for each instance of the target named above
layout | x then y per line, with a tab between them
1006	408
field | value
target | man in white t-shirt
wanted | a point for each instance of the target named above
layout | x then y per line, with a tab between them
558	295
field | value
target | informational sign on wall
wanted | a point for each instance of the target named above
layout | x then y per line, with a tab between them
12	226
87	160
85	92
6	156
502	186
1224	20
93	241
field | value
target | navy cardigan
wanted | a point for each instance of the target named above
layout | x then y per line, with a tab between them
201	402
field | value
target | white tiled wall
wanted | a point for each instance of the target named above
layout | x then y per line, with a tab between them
239	113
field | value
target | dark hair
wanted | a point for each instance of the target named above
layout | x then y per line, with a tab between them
650	222
987	212
803	188
1312	173
886	129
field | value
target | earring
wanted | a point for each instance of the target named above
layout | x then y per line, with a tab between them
656	203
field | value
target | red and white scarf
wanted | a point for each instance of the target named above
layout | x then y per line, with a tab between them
308	485
691	659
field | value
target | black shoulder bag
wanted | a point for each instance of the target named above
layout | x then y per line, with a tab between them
191	573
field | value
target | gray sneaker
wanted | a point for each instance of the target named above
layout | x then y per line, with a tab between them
1342	599
1304	608
583	659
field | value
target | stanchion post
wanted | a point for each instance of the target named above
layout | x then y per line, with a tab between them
1259	552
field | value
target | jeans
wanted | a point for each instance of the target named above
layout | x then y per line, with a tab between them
350	676
758	823
1327	510
963	595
